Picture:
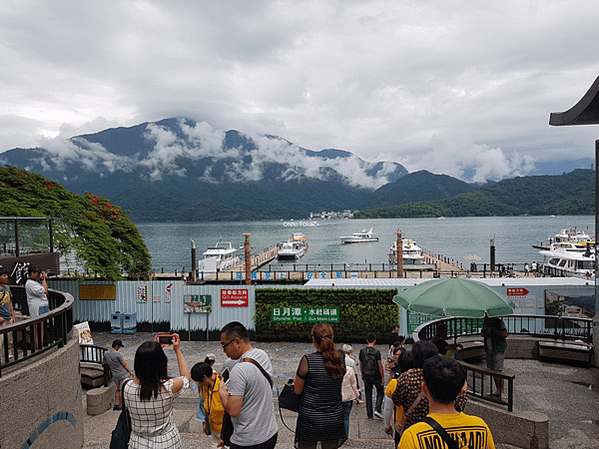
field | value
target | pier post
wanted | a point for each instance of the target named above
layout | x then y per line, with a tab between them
248	261
193	261
492	250
399	254
596	318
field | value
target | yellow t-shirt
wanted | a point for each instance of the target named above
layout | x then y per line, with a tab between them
389	392
213	406
470	432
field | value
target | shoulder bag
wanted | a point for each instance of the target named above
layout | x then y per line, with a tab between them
451	443
227	428
122	432
399	427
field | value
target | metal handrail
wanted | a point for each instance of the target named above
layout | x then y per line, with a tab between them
22	340
541	326
95	354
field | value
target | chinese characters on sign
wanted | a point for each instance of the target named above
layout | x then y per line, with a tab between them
301	314
197	303
234	298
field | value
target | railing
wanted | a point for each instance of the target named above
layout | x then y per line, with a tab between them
480	380
540	326
30	337
95	354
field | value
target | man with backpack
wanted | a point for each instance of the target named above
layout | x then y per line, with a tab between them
372	375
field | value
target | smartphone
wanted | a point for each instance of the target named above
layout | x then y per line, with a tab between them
225	375
165	339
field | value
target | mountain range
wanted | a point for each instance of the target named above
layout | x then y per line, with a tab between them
183	170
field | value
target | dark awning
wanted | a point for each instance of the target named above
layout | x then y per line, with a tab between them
585	112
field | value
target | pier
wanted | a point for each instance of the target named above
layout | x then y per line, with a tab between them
435	266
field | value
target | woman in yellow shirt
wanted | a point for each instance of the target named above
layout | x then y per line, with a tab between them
208	382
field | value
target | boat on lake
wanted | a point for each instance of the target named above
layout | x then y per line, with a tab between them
360	237
568	259
411	253
294	248
219	257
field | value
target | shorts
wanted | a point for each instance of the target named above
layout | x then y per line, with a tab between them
118	381
42	310
495	361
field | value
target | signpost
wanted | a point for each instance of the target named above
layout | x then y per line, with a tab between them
301	314
234	298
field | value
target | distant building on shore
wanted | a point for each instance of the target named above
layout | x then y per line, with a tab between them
332	215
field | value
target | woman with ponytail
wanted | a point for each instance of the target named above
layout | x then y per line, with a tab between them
319	377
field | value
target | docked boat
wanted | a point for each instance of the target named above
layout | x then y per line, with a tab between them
219	257
411	253
360	237
573	235
568	259
294	248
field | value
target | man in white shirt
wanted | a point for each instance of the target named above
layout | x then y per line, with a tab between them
36	289
247	396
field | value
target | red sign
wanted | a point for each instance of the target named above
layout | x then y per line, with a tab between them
234	298
521	291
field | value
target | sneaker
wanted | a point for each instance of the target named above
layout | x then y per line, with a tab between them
118	407
378	415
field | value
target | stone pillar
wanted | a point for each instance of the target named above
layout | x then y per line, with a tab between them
248	260
399	254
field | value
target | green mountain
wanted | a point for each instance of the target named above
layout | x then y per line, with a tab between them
568	194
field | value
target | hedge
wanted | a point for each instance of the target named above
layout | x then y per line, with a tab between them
361	312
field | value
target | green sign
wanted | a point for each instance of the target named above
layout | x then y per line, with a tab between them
301	314
197	303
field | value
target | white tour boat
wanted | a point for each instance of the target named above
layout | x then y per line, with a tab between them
219	257
360	237
568	259
411	253
294	248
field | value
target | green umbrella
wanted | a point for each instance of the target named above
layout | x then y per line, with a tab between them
457	297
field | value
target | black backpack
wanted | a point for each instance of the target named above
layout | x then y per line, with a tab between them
369	364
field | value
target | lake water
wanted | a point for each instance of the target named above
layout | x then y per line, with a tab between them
170	243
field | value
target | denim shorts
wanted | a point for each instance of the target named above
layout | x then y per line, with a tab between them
43	309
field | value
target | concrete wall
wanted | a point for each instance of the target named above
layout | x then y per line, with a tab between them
41	401
525	429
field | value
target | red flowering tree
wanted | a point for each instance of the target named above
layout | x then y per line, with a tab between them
99	234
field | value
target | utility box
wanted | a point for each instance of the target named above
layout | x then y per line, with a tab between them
116	322
129	323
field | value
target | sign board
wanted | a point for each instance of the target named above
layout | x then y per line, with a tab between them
84	332
197	303
234	298
97	292
301	314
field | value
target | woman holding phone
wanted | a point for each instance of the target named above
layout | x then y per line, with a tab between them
150	397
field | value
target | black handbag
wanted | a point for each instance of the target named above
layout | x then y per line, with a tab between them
122	432
227	429
288	399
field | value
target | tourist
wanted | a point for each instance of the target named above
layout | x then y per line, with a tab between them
439	340
36	289
409	385
247	396
150	397
119	369
7	311
373	375
404	363
495	343
351	363
208	382
319	377
201	413
349	392
444	380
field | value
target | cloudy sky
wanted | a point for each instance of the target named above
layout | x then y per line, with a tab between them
443	85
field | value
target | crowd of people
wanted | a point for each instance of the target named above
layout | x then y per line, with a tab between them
423	392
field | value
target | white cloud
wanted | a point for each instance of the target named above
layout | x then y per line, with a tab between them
376	77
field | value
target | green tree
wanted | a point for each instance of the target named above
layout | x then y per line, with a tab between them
99	234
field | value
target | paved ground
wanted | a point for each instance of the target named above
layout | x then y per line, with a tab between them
568	395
